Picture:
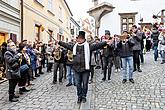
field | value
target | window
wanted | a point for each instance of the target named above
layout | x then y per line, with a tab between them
130	26
124	20
130	20
50	5
124	26
127	20
37	32
60	14
50	34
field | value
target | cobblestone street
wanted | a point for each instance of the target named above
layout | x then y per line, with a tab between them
148	92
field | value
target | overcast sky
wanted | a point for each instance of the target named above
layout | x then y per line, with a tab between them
79	7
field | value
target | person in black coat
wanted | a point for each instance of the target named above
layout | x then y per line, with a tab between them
12	66
81	62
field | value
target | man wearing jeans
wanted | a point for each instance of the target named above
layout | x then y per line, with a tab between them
81	62
155	39
126	54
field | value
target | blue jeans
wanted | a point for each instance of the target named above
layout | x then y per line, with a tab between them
163	55
155	52
70	74
82	79
127	61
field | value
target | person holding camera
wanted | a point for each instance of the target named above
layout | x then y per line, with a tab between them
12	69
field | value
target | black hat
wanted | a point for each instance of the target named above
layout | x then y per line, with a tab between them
81	34
107	32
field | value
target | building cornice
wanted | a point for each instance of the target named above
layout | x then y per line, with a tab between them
10	7
3	13
71	18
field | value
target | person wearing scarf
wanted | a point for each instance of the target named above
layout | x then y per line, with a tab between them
81	62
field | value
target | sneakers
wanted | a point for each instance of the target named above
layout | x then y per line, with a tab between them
69	84
84	99
131	80
124	81
118	70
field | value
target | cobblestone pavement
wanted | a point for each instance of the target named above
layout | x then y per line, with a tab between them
43	96
148	92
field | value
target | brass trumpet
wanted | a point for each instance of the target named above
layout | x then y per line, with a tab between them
123	38
70	56
57	54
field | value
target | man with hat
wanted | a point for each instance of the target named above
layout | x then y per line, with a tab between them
81	62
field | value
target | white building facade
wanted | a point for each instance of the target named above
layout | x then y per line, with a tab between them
144	8
74	28
9	20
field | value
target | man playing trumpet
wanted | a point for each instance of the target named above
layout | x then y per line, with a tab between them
126	53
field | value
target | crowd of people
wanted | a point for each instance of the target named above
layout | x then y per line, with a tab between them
77	60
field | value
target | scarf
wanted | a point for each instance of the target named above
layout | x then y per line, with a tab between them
87	53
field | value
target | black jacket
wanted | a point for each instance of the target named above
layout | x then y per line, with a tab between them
79	58
155	37
126	48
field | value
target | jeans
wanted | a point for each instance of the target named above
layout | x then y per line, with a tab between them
56	66
82	79
117	62
163	55
127	62
107	64
70	74
155	52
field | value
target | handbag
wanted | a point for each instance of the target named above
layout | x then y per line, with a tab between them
15	74
23	67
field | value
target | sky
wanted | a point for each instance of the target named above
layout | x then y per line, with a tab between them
79	8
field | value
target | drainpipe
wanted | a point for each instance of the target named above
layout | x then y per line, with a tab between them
21	20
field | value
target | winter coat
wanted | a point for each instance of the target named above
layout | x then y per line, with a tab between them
79	58
12	63
126	49
137	39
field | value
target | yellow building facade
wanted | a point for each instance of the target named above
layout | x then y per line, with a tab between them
53	15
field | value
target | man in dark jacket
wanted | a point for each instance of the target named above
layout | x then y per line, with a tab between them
155	39
108	54
126	54
12	66
137	37
81	63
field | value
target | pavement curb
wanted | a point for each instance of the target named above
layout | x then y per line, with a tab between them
3	81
